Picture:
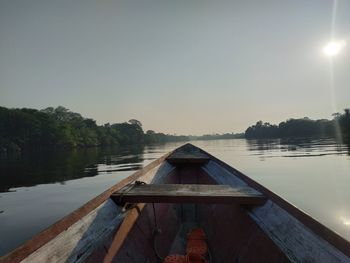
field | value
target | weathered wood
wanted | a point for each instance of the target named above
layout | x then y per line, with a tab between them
277	218
76	243
189	193
122	233
185	157
291	231
297	241
157	170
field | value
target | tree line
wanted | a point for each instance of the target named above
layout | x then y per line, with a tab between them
61	128
338	127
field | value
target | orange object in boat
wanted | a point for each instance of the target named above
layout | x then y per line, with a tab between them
175	259
190	258
195	258
196	249
196	233
196	242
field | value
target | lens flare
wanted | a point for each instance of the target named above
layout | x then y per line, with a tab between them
345	221
333	48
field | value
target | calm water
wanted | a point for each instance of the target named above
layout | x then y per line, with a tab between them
36	190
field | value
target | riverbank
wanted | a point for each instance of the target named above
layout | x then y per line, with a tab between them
338	127
59	128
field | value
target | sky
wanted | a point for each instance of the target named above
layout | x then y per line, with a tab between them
180	67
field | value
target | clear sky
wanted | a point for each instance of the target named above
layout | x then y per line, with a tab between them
184	66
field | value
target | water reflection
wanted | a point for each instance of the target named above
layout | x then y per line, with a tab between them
317	185
347	143
29	169
299	147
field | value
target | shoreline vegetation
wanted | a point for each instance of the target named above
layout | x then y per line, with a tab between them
338	128
60	128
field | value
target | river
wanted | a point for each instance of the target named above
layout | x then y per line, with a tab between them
37	189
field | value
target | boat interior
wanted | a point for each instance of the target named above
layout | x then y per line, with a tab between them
160	229
155	214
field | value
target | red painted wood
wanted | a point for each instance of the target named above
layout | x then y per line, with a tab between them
231	234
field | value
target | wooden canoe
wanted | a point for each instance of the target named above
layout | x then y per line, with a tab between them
149	219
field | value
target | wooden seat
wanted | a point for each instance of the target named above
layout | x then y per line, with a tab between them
188	158
188	193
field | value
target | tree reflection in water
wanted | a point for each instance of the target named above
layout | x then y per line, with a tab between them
298	147
33	168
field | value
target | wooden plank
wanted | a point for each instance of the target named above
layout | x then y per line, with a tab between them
189	193
122	233
300	237
194	157
297	241
154	171
77	242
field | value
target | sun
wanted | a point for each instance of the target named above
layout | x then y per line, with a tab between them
333	48
345	221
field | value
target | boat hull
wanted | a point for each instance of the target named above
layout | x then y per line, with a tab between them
103	231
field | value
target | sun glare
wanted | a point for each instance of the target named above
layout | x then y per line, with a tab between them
345	221
333	48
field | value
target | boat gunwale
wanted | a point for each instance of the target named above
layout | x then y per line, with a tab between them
49	233
52	231
318	228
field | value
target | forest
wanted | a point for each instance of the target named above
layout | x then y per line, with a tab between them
338	127
25	128
59	127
